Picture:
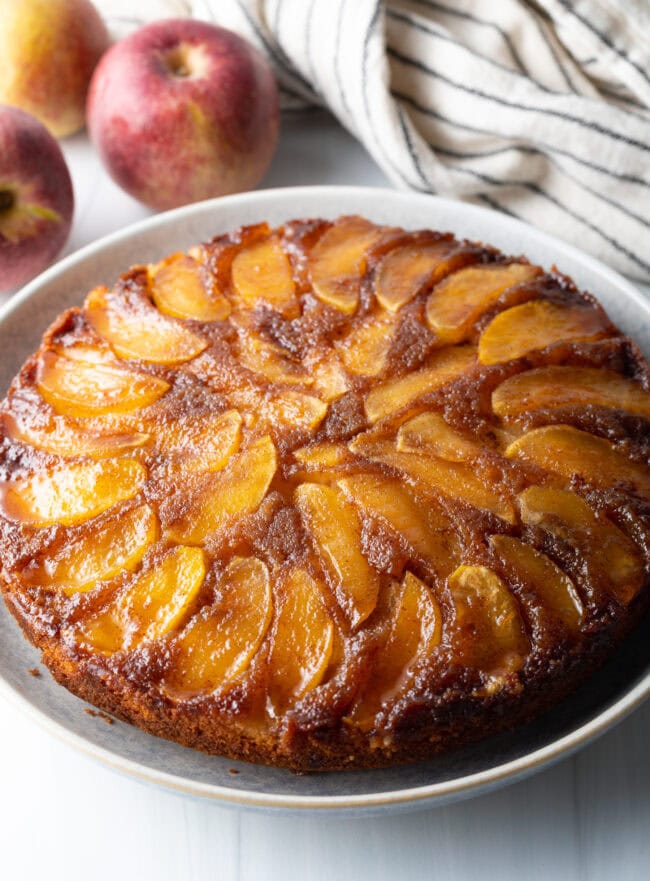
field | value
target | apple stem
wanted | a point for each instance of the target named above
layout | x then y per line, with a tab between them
7	200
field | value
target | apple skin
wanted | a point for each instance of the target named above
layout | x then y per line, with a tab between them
182	110
49	49
36	198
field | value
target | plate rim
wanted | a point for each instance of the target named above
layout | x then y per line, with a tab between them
411	797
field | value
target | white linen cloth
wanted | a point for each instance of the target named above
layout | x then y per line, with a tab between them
539	109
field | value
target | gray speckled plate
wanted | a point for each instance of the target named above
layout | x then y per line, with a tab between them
612	693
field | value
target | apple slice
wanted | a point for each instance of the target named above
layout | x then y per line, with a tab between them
555	387
450	479
489	633
114	547
232	493
155	603
338	261
430	433
61	438
445	366
535	325
205	445
599	542
336	529
71	494
219	643
406	270
267	360
323	455
179	289
565	450
460	299
296	410
135	329
262	272
302	642
534	569
330	379
364	351
426	529
82	389
415	631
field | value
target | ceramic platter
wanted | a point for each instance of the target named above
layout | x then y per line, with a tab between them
614	692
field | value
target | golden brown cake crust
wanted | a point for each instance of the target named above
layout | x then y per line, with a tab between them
328	496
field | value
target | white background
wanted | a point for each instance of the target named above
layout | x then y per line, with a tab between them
64	817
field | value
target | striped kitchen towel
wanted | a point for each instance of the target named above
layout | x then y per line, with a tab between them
540	109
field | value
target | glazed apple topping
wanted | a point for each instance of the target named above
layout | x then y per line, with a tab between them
556	386
302	643
459	300
536	325
219	644
115	546
241	464
179	288
136	330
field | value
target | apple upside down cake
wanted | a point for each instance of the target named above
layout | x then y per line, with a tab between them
330	495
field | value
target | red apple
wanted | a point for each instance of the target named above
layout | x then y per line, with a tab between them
36	200
182	111
49	49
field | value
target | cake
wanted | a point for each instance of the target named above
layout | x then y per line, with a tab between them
332	495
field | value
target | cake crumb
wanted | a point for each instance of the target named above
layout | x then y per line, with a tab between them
34	671
99	714
233	771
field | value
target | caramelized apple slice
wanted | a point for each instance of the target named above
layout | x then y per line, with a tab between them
450	479
297	410
415	631
565	450
324	455
302	642
156	602
456	303
430	433
218	644
71	494
116	546
489	633
232	493
205	446
178	289
330	379
338	262
539	573
136	329
364	351
405	271
81	389
396	394
268	360
555	387
535	325
426	529
606	550
336	528
60	438
262	272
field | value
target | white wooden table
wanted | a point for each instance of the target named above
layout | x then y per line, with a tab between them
64	817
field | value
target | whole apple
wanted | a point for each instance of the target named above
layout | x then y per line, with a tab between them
36	199
181	111
49	49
